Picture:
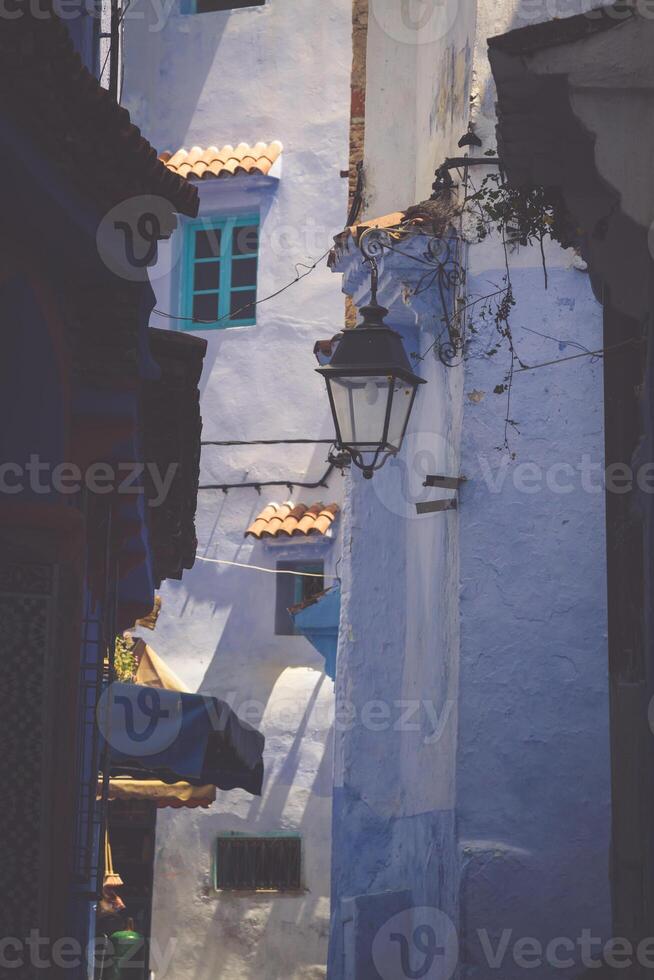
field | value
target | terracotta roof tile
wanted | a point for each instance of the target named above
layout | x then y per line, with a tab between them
226	161
279	520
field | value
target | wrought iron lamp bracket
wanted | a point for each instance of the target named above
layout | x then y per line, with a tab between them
372	243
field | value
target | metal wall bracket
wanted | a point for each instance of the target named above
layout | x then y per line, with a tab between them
436	506
444	482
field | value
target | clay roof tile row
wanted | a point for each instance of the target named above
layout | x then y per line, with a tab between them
291	520
227	161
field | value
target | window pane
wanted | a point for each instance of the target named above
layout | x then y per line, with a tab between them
245	240
207	243
206	275
244	272
312	587
361	405
242	305
206	307
402	399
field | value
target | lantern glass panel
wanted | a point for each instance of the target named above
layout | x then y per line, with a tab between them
400	409
360	405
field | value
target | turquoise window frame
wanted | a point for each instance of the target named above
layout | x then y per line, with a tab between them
290	591
226	225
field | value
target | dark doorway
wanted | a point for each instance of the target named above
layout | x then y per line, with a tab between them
132	828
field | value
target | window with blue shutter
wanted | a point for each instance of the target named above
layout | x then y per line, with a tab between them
219	286
294	589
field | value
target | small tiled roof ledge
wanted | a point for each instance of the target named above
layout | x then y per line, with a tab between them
261	160
406	240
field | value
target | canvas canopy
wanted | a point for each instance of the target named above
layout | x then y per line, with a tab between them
158	732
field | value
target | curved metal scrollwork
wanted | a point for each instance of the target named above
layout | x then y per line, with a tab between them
443	253
373	241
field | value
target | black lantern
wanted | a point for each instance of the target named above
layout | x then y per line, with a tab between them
371	390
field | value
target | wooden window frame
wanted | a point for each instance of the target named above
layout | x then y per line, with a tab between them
226	225
293	595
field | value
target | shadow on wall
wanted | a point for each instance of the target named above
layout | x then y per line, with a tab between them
274	922
159	50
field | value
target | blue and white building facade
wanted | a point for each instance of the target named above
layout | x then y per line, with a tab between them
467	796
214	78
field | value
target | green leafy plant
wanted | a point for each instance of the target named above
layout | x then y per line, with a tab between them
125	664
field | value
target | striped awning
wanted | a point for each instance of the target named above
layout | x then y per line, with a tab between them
176	795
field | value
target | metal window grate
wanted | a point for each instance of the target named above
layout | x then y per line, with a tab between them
246	863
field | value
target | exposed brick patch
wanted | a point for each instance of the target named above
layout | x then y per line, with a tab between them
358	117
360	15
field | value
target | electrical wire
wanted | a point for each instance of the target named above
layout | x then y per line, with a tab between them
270	571
590	353
299	277
258	485
270	442
357	198
558	340
249	306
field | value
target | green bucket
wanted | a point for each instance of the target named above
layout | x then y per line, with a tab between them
129	955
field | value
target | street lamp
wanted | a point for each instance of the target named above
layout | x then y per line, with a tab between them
371	388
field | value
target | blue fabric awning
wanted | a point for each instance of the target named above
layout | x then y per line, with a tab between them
172	736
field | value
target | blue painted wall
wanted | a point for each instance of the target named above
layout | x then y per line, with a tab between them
533	798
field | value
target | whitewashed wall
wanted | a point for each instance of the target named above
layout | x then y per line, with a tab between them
417	96
263	73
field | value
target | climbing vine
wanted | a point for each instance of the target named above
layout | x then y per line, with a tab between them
519	218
